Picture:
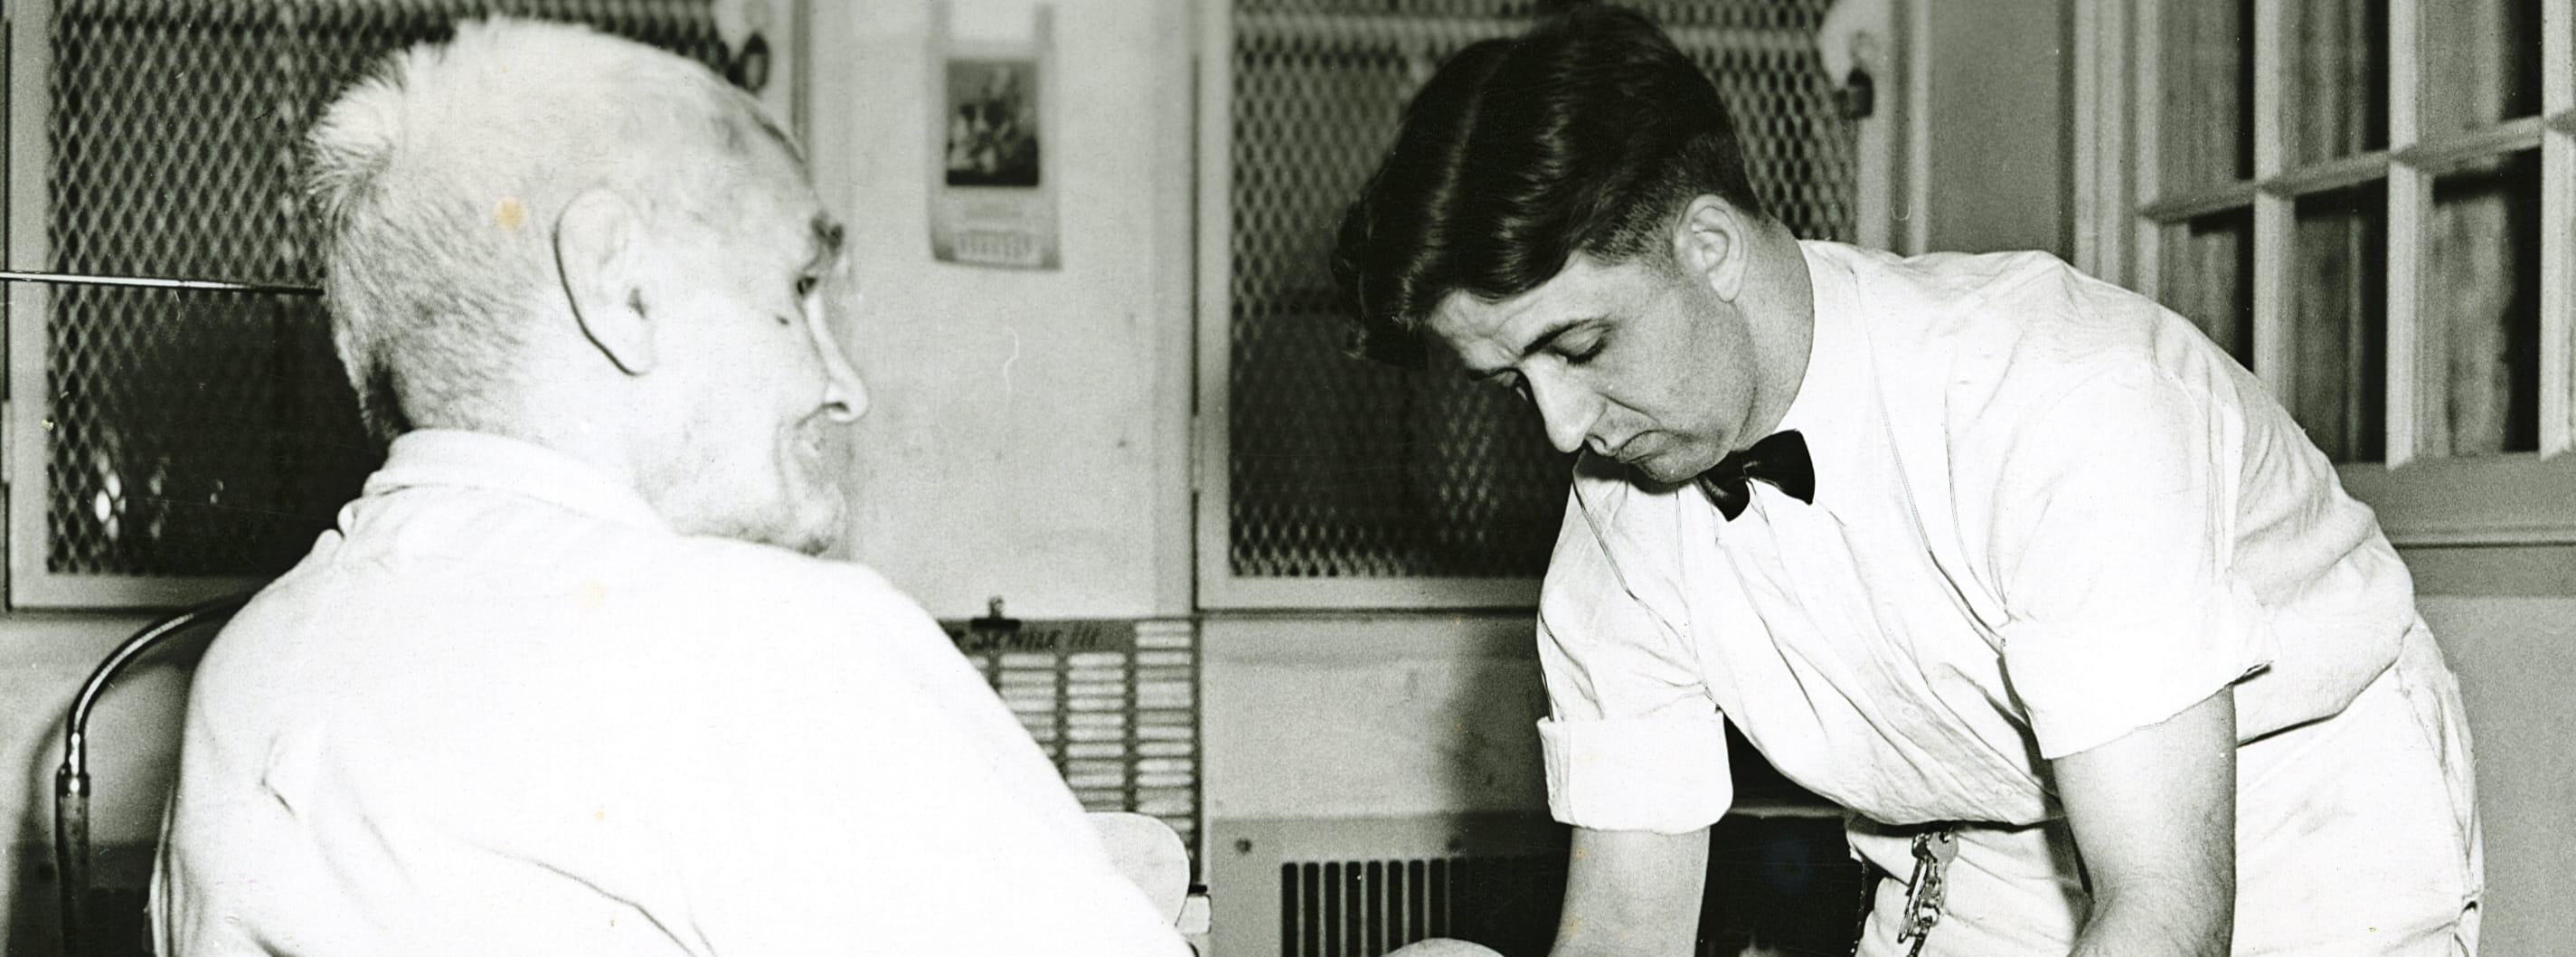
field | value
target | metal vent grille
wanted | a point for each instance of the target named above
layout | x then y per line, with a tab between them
1114	703
1784	886
1366	908
1341	468
208	433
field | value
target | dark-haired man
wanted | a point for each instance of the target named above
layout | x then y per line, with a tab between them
2015	565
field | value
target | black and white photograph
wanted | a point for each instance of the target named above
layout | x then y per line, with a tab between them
992	123
1288	478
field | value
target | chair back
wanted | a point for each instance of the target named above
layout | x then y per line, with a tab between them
71	780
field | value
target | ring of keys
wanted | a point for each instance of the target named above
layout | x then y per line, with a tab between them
1933	852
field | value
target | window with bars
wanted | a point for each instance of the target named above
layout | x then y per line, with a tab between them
1329	480
168	444
2372	203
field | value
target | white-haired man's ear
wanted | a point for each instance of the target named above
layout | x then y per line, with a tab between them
596	257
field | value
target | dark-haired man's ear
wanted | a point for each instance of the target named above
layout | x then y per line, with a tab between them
596	258
1713	245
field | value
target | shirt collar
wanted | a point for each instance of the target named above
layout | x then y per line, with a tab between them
448	458
1831	409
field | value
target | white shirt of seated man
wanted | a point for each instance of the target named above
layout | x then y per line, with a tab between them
590	288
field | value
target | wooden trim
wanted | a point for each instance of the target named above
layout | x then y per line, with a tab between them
2558	230
2518	499
2441	155
28	157
2340	173
1915	39
1252	594
2274	216
2405	72
2410	402
64	592
1209	472
2146	127
2413	398
2191	206
2100	219
1176	374
1880	140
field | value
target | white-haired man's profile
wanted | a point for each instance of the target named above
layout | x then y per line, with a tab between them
565	679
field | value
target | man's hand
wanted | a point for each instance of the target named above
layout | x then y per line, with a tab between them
2154	816
1443	947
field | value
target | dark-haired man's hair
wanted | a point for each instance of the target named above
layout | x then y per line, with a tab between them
1589	133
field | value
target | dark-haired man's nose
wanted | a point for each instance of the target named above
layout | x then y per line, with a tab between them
1568	409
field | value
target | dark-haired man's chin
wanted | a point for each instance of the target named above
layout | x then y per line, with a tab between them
1657	473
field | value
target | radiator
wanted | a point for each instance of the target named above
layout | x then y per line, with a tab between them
1779	884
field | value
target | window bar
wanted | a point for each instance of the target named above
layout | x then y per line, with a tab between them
153	282
2275	229
2558	229
2144	98
2412	408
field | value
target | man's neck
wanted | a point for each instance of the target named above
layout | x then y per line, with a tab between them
1781	310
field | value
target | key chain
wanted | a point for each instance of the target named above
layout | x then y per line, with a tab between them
1933	852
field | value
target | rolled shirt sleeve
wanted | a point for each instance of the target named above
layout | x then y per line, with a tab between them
2117	556
1633	741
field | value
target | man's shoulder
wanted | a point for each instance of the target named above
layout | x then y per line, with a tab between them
1948	275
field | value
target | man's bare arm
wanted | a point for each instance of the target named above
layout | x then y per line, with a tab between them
1632	893
2154	816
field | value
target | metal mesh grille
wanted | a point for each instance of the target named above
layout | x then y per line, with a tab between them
202	433
1113	703
1342	468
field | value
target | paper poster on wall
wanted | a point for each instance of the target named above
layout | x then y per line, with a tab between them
992	195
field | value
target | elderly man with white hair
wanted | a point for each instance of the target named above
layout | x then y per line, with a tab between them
564	680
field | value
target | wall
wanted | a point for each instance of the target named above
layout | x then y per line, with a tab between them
1371	716
43	659
1991	118
2507	620
1030	431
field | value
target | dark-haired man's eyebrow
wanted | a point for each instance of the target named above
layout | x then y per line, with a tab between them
1537	344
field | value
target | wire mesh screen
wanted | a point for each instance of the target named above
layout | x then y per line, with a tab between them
1340	467
208	433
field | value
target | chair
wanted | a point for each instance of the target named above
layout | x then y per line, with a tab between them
71	780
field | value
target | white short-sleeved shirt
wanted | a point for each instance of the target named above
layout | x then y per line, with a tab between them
505	709
2048	512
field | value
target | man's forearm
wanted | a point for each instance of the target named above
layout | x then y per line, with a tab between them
2168	922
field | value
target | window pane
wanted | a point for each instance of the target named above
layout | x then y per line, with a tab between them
2208	277
2208	81
2339	322
2481	63
199	433
2338	78
2482	307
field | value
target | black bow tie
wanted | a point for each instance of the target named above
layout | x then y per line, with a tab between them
1780	459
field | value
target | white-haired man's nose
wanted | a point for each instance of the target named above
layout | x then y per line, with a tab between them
1569	410
845	398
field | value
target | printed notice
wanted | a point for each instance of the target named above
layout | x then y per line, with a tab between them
992	199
